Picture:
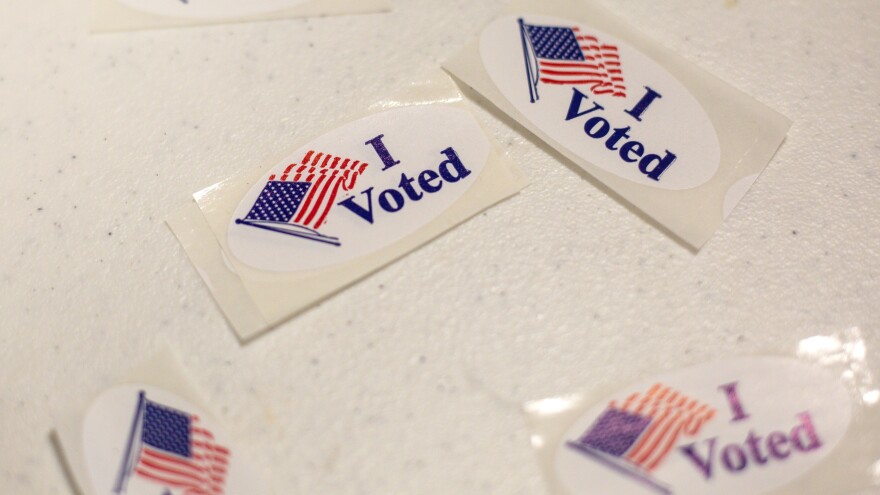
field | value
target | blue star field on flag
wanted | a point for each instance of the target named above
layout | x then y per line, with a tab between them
167	429
555	43
279	201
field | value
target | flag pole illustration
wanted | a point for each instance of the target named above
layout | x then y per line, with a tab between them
533	81
635	437
561	55
297	202
170	448
125	469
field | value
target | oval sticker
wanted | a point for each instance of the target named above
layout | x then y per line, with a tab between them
358	189
143	440
210	8
739	426
602	100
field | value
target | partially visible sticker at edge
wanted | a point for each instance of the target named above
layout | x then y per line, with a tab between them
745	425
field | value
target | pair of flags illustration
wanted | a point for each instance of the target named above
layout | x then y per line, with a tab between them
298	201
563	55
635	436
171	449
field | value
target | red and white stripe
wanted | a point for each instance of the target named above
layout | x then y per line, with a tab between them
601	68
328	174
204	473
672	414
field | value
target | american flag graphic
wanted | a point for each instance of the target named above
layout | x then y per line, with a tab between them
636	435
169	447
563	55
297	201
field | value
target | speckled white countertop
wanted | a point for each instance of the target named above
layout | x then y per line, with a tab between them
408	382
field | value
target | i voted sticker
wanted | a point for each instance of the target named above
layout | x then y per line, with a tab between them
209	8
358	189
733	427
144	440
602	100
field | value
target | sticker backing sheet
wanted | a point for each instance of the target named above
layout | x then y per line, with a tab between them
801	424
263	263
674	141
151	433
126	15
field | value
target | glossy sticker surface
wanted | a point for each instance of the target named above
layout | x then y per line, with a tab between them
143	440
209	8
358	189
602	100
739	426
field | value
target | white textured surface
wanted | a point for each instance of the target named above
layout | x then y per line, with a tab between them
409	381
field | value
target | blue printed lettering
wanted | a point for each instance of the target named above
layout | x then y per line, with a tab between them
382	151
409	189
352	206
651	165
755	450
644	103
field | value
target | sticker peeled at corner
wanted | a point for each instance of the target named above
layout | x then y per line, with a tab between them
209	8
602	99
739	426
358	189
143	440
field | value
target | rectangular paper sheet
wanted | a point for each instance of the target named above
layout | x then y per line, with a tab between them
792	423
101	439
253	299
748	132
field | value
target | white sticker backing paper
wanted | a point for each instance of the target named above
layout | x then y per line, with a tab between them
761	425
150	435
669	138
341	206
118	15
